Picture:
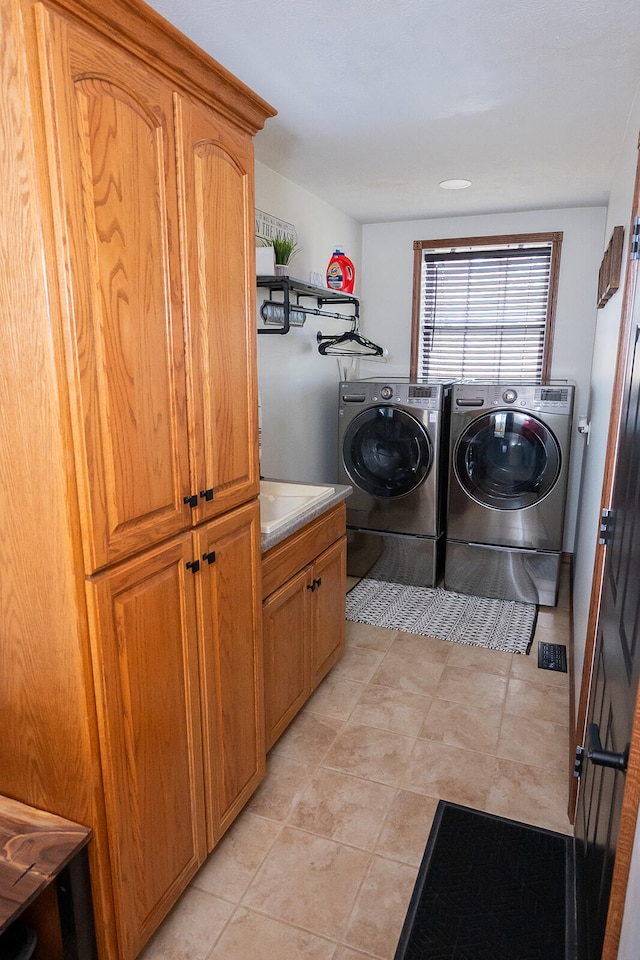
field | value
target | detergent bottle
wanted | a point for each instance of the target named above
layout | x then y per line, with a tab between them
341	273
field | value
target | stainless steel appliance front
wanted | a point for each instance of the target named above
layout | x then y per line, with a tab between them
507	488
392	451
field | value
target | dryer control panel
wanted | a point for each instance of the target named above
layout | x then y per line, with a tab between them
550	398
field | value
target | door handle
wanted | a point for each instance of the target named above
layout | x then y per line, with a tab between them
605	758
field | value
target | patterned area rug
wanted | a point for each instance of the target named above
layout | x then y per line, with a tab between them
478	621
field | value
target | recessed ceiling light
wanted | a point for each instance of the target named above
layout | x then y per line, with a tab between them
455	184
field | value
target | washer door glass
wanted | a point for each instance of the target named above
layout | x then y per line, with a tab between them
387	452
507	460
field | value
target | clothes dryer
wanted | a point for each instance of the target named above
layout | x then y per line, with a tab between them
510	447
393	439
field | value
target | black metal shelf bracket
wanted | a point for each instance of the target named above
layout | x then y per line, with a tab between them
299	289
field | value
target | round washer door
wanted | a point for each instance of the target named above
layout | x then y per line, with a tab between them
387	452
507	460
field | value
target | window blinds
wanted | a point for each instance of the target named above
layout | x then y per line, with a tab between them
484	313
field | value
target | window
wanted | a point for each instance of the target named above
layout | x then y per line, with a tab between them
484	307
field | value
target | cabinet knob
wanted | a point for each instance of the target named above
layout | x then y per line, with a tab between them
207	494
191	499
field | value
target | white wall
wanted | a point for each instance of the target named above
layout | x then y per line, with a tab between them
387	280
299	387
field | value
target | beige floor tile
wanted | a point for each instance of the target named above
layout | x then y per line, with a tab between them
358	663
461	776
346	953
528	699
412	676
529	794
285	781
371	754
233	864
420	648
322	862
309	881
477	658
406	829
534	741
308	738
377	918
391	709
555	633
551	619
251	935
526	668
465	685
343	808
335	697
370	637
462	725
191	929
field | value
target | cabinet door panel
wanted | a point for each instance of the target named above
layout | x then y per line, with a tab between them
286	621
229	624
145	661
218	253
329	610
112	146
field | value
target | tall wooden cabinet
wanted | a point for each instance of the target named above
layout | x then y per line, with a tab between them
131	675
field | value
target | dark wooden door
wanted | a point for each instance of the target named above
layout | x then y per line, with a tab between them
616	666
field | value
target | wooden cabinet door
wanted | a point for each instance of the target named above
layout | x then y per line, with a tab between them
218	254
230	637
145	659
112	161
328	631
286	625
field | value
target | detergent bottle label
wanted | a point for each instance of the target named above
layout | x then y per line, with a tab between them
341	274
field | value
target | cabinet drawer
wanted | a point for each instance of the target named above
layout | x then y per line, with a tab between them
286	558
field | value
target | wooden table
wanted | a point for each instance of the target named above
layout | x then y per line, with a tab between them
36	849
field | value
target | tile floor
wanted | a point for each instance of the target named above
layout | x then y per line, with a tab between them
321	863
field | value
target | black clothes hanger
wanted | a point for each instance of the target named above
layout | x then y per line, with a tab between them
350	344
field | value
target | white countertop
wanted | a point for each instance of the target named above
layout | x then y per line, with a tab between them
269	540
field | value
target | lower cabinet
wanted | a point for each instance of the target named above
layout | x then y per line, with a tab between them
304	583
178	674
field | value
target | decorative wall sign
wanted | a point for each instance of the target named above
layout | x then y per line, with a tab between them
609	275
268	227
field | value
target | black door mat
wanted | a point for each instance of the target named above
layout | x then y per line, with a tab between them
490	889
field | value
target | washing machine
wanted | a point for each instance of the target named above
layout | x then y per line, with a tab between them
509	448
393	439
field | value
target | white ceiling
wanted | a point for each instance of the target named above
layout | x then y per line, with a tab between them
380	100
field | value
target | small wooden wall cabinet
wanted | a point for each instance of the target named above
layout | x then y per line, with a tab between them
303	588
131	686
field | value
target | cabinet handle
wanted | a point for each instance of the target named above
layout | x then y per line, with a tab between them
207	494
191	499
311	586
209	557
318	582
193	565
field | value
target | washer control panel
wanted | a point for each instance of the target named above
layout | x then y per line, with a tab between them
425	396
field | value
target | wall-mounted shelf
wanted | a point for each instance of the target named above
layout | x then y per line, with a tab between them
294	311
